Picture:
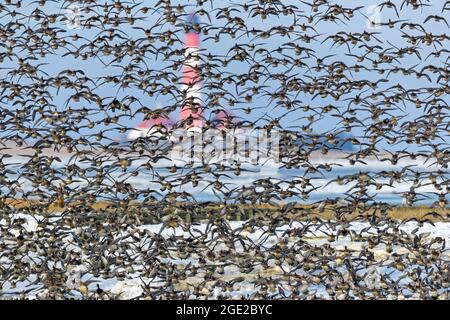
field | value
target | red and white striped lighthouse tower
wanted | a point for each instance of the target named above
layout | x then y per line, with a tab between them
191	111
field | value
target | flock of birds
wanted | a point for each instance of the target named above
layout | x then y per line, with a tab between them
72	225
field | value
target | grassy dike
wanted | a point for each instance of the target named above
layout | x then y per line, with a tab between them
188	210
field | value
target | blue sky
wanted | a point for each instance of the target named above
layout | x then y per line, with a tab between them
93	68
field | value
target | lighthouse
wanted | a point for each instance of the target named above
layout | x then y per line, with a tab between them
192	109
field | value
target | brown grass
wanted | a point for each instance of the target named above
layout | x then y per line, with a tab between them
244	211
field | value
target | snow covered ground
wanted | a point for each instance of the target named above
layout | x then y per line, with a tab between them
132	285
